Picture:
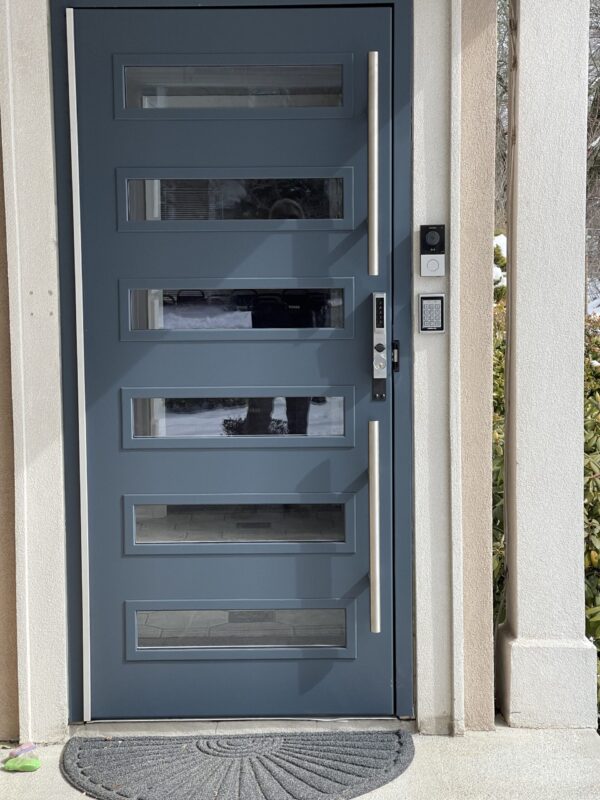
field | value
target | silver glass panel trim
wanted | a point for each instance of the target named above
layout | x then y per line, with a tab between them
373	163
374	527
81	404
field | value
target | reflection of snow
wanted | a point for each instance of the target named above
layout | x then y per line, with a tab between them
325	419
204	317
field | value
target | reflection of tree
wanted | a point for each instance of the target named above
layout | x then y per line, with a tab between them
188	405
235	426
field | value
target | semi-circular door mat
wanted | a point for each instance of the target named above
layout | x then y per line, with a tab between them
295	766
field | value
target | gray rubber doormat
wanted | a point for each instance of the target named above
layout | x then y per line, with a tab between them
295	766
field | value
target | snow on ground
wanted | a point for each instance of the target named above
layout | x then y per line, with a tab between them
593	296
199	317
499	276
501	242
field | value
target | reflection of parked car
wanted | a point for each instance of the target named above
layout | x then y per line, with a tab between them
215	297
189	297
270	308
243	299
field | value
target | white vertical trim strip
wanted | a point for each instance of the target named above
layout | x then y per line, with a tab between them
81	402
374	528
373	179
18	362
455	426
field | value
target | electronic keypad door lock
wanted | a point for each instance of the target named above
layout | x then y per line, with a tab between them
380	353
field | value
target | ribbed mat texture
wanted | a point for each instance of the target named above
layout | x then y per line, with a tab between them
295	766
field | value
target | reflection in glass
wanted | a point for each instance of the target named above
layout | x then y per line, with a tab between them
301	522
197	199
292	627
237	416
235	309
249	86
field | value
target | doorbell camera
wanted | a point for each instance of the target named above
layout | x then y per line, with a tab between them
433	251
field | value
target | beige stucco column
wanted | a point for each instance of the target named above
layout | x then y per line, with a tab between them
478	142
546	665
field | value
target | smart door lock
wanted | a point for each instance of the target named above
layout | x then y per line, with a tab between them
380	355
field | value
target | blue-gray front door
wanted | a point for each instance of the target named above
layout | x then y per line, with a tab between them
228	360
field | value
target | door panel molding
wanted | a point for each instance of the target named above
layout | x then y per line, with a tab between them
247	653
346	285
273	226
164	441
348	545
121	61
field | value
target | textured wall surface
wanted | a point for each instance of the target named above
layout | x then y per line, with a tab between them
433	588
9	723
29	181
478	142
546	665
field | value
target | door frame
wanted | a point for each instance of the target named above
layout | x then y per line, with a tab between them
444	642
72	329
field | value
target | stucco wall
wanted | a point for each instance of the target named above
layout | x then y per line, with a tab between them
8	638
476	299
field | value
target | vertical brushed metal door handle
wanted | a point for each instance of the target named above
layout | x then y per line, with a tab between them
373	145
374	528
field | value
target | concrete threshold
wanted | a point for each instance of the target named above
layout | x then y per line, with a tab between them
233	726
505	764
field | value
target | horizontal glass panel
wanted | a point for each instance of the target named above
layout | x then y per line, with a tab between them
237	416
293	627
302	522
210	199
235	309
248	86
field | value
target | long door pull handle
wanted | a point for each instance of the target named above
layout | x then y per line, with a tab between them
373	209
374	528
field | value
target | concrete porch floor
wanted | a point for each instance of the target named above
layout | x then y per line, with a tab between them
507	764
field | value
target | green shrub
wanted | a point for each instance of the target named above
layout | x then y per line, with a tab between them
498	458
591	504
500	294
499	258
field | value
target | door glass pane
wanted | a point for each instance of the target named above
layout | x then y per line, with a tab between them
235	309
301	522
209	199
250	86
237	416
291	627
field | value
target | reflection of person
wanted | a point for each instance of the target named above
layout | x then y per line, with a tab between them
260	411
264	315
286	209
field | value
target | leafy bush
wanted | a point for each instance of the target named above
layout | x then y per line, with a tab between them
592	482
591	466
499	257
500	294
498	458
